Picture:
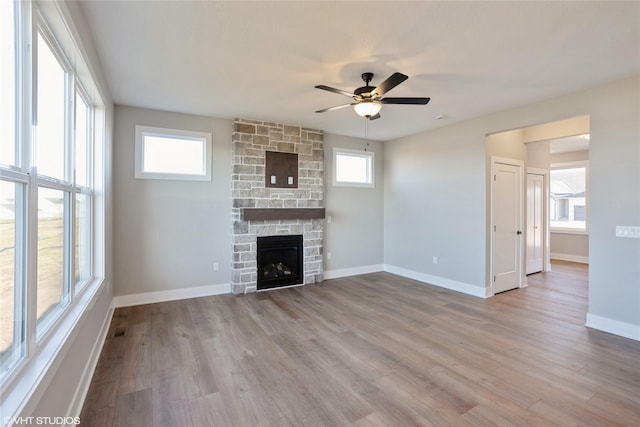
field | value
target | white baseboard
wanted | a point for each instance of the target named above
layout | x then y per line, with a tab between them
441	282
170	295
570	258
616	327
353	271
87	375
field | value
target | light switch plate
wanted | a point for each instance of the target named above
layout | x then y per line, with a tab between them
628	231
290	180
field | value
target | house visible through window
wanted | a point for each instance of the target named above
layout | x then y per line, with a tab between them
568	197
353	168
172	154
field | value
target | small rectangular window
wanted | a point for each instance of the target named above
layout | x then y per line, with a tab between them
172	154
353	168
568	198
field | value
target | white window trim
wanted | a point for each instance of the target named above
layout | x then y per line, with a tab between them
28	378
572	165
370	155
142	131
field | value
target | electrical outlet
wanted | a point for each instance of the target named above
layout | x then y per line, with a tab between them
328	255
435	260
216	266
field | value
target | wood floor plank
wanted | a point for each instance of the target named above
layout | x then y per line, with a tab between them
369	350
134	409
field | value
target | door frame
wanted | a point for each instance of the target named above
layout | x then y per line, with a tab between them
546	246
495	160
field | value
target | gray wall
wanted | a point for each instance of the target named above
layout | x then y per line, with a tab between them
435	188
570	247
434	199
538	155
614	180
572	156
354	237
168	234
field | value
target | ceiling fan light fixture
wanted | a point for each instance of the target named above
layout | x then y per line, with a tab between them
367	108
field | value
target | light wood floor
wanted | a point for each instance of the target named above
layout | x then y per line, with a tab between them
369	350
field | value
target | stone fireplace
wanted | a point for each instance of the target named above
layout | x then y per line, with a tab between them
262	210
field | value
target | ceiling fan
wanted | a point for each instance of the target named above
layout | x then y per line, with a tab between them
368	100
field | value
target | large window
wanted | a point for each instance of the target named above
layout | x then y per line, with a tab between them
568	197
172	154
47	215
352	168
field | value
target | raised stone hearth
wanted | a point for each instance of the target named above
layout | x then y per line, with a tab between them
251	140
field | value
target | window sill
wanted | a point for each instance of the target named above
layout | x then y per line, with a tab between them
354	184
568	231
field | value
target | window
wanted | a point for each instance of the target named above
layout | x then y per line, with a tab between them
52	286
49	128
172	154
352	168
8	86
50	122
82	240
12	200
568	197
83	132
12	234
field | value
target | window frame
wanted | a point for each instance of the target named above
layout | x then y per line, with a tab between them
42	344
571	165
186	135
370	158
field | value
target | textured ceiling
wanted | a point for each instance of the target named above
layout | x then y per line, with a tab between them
260	60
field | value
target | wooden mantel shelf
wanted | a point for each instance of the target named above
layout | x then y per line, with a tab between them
259	214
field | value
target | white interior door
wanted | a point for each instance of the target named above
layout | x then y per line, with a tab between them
535	224
506	204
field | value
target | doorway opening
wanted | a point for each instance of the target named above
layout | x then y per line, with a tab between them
555	204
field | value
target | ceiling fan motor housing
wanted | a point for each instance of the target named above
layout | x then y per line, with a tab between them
364	91
366	77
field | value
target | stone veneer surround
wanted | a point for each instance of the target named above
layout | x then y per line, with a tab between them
251	139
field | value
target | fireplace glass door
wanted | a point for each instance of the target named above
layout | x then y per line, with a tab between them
280	261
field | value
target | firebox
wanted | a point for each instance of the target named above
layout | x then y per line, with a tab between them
280	261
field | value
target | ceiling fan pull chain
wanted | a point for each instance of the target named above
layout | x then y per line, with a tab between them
366	133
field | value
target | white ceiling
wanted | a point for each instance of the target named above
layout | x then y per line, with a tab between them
569	144
261	60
